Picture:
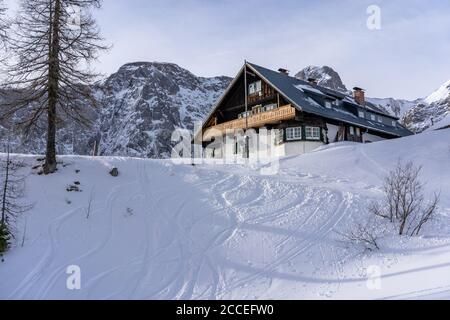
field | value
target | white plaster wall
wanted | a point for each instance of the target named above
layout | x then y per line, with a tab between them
300	147
286	149
332	131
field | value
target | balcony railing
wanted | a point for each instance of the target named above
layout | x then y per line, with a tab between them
258	120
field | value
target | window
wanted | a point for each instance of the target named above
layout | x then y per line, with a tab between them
361	114
336	103
380	119
270	107
255	87
328	104
372	117
312	133
294	133
394	123
257	109
351	131
245	115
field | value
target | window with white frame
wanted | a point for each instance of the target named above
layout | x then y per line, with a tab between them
312	133
380	119
361	114
255	87
394	123
294	133
372	117
328	104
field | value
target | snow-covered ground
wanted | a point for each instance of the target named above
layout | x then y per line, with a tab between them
166	231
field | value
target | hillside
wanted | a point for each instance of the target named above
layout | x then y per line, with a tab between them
166	231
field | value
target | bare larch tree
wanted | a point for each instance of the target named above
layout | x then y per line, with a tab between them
53	44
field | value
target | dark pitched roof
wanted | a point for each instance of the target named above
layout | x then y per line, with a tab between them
299	93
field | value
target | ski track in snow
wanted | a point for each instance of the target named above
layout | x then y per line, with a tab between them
216	232
190	262
40	273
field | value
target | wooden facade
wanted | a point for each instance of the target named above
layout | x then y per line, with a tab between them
261	119
268	108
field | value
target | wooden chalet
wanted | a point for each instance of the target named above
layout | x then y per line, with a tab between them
302	114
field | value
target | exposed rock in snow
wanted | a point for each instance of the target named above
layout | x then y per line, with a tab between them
431	113
440	94
143	103
325	77
396	107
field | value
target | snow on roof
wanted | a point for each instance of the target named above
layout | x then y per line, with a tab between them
304	87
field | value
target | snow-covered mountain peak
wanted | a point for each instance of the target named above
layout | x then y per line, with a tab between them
440	94
144	102
139	107
325	76
431	113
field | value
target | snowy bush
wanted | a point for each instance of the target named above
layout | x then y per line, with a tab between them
365	235
404	203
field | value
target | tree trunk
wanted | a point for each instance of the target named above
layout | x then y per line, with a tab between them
5	188
53	88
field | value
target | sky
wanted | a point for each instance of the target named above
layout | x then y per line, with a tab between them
407	57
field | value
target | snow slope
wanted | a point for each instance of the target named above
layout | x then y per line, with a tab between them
166	231
440	94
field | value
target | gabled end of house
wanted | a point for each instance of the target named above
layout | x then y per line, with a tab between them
300	115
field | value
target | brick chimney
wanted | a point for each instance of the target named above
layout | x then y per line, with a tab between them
359	96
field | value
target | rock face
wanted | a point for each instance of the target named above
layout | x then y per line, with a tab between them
432	112
325	76
396	107
143	103
138	108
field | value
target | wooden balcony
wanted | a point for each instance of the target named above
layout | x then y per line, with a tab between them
258	120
